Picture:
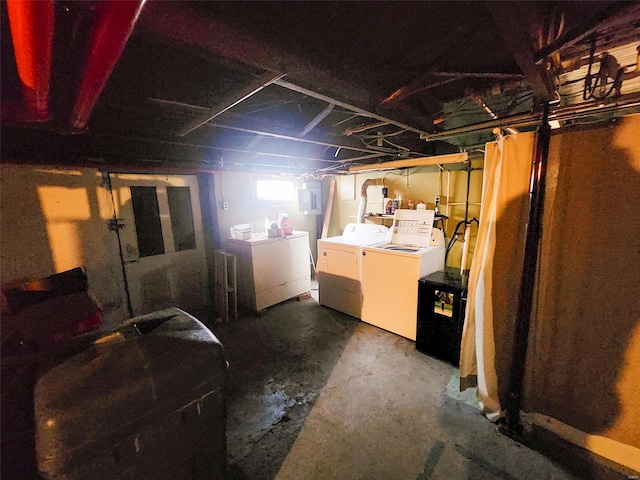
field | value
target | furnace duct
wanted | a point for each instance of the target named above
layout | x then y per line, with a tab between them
363	199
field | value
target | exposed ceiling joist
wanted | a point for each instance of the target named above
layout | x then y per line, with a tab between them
179	23
454	66
314	123
354	108
230	101
621	10
265	133
288	137
510	19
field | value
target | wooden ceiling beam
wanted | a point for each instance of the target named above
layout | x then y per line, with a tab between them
510	19
177	23
618	12
234	98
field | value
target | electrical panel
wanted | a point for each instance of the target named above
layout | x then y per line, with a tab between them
310	198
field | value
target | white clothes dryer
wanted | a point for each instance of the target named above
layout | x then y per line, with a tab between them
390	271
339	270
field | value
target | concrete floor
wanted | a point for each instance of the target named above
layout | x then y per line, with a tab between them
317	394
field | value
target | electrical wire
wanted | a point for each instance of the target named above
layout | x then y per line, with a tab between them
396	145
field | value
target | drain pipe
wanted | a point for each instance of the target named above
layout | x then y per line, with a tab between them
363	199
513	426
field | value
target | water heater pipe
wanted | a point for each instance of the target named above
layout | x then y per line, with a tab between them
108	37
31	23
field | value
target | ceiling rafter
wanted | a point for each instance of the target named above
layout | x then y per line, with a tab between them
175	22
257	131
617	13
510	21
230	101
354	108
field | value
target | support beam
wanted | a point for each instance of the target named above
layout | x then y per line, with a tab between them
329	209
622	10
230	101
353	108
314	123
178	23
263	133
511	20
253	131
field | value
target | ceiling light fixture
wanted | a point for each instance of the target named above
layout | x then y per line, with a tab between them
413	162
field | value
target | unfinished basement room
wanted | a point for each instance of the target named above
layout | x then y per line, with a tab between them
352	240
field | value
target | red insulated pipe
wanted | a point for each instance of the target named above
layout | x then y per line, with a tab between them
113	26
31	24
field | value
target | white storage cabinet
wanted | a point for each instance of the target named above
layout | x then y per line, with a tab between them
271	270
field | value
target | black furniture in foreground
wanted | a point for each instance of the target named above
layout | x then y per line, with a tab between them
441	308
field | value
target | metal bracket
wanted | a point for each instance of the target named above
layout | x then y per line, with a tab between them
114	224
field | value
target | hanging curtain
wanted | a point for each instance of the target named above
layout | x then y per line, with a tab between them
495	271
583	363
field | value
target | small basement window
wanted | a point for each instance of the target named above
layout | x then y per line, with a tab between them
275	192
147	218
184	236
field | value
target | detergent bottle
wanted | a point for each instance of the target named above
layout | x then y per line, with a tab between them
286	225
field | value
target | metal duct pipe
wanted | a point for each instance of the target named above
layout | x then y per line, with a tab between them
363	199
530	119
32	23
109	34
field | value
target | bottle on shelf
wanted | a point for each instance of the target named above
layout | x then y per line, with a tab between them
286	225
267	223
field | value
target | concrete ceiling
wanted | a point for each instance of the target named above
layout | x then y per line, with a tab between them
312	87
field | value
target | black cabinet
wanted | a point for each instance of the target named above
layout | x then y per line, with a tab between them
441	307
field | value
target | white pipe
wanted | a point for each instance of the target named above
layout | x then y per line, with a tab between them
465	248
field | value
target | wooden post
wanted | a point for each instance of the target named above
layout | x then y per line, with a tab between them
327	215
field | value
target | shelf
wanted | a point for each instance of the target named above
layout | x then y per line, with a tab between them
375	216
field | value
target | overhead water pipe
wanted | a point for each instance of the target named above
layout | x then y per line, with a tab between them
109	34
32	25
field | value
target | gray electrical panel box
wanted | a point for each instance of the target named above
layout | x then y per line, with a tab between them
310	198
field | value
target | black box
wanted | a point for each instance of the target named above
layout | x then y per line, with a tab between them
441	309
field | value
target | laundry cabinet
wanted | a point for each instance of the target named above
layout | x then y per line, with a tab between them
271	270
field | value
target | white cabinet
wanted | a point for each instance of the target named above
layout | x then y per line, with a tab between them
271	270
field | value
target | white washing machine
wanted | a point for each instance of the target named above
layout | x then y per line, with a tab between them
390	271
339	269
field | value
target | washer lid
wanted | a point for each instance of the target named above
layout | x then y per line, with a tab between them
412	227
364	234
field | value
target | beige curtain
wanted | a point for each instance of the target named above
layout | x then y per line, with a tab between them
583	365
495	271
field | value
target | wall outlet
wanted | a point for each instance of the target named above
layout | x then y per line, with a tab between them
437	199
225	205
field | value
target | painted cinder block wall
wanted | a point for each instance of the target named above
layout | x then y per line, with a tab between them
420	184
584	357
53	220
